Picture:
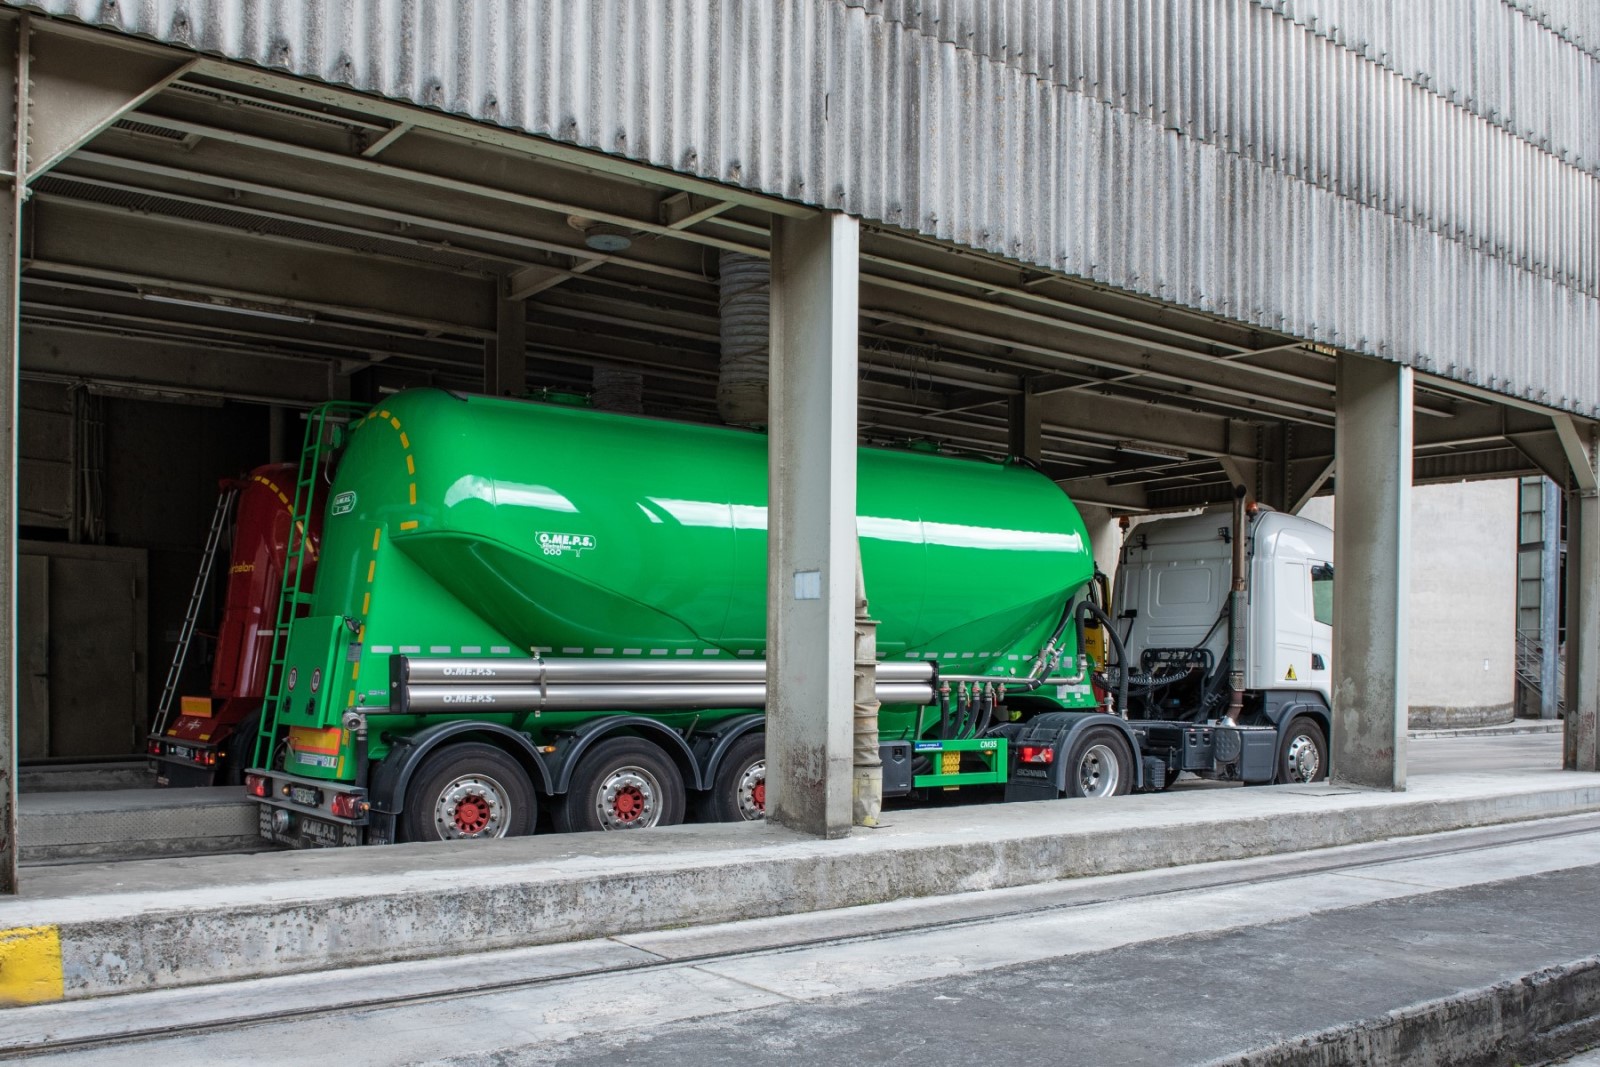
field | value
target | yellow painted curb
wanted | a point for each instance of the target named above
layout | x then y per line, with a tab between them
30	965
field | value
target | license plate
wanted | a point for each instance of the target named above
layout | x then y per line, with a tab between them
180	752
305	794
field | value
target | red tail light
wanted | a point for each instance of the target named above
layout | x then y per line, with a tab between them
208	759
1037	754
255	785
349	805
153	746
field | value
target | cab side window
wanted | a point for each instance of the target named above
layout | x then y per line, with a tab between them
1322	593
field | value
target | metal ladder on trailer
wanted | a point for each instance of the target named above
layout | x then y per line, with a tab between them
197	595
325	430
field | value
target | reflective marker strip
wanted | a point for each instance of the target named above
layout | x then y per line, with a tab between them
30	965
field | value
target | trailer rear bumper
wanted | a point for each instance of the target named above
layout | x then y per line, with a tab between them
309	812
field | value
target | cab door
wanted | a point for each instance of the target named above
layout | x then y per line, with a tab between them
1293	625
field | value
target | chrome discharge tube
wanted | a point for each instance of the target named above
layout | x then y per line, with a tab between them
421	698
418	670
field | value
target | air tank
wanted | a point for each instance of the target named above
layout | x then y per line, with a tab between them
481	526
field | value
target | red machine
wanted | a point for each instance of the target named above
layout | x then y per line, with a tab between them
193	744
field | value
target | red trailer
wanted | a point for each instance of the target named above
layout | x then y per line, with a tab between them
192	742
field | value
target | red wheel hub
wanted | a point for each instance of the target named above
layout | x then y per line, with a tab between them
472	814
758	795
629	804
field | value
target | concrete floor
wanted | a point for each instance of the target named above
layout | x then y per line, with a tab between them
1181	966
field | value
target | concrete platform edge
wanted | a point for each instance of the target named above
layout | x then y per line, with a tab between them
1531	1019
163	943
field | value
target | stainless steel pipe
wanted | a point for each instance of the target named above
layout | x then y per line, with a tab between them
430	698
417	670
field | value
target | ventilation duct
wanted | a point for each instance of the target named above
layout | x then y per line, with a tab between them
746	307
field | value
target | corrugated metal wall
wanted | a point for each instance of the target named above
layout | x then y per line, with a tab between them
1413	180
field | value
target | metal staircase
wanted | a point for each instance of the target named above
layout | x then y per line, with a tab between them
1530	657
325	433
191	616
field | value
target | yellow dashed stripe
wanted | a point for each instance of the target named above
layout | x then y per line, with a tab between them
375	535
371	566
405	442
413	492
366	602
411	465
409	524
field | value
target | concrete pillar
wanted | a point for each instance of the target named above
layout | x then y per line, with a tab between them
811	546
505	359
1581	443
1549	597
1582	745
1372	552
1027	426
12	155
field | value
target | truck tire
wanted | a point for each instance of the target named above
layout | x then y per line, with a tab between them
1100	764
468	791
1303	757
622	783
739	792
241	746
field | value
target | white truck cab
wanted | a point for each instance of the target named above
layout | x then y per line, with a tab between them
1173	586
1171	609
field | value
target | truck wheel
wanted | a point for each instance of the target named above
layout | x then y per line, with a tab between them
469	791
622	783
1099	765
739	793
1304	755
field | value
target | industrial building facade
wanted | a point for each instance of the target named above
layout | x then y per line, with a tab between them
1164	252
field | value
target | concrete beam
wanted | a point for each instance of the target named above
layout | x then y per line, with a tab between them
1372	554
1313	488
1545	451
100	241
1241	474
1119	498
81	85
1579	446
200	367
811	547
1114	419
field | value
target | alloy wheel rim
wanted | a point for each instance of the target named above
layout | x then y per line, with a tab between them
1099	773
1304	759
628	798
472	806
753	792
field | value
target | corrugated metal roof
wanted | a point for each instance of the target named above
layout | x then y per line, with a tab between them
1416	181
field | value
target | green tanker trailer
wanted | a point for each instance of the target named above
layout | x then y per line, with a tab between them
525	607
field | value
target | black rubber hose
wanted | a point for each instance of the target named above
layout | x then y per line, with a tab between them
987	719
1087	607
